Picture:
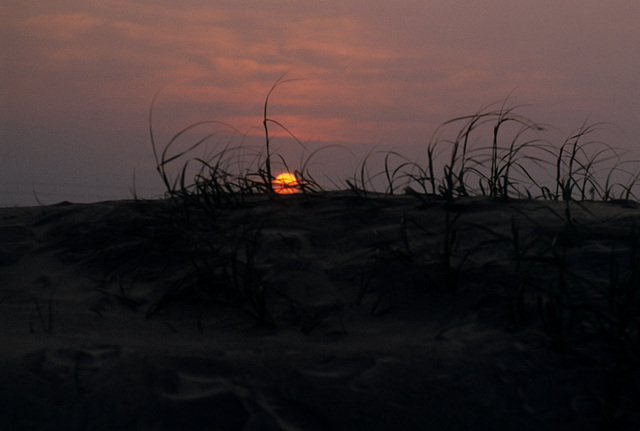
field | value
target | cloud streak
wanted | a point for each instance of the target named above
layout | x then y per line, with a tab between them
382	74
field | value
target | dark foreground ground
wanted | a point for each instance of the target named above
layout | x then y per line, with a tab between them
329	312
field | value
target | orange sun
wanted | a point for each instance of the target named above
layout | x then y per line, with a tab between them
286	184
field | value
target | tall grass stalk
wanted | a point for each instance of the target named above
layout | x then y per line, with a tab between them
46	323
265	122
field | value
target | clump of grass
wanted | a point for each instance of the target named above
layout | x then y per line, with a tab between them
501	154
396	174
224	176
222	261
494	170
579	164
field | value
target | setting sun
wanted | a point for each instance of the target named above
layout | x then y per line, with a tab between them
286	184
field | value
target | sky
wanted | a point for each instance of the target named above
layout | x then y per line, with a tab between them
77	79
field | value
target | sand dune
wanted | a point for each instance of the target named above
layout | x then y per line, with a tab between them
322	312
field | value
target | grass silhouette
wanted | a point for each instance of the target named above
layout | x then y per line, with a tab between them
493	154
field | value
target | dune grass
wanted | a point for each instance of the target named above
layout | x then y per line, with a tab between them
494	154
222	260
515	162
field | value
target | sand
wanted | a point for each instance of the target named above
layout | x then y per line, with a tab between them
351	318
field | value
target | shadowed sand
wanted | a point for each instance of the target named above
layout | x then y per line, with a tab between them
365	324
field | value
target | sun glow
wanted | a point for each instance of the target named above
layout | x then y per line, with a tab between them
286	184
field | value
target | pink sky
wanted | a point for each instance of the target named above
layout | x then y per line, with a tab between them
77	77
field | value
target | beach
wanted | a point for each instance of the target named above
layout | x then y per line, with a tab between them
320	311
